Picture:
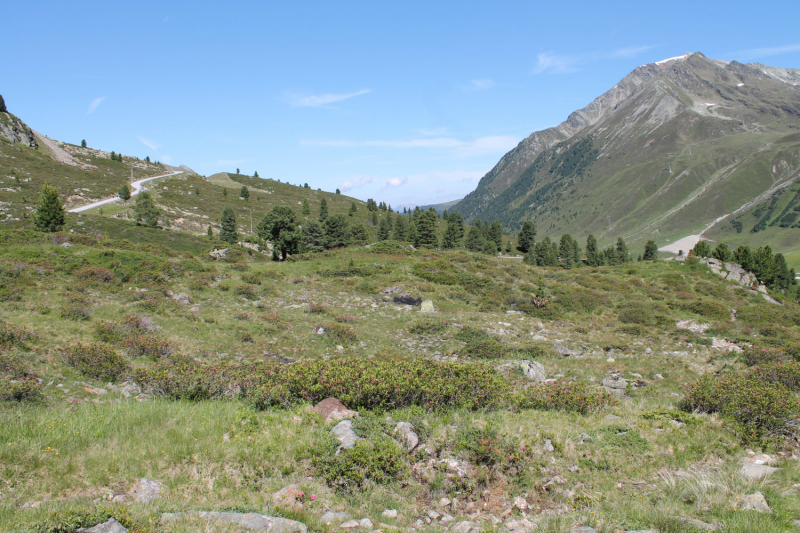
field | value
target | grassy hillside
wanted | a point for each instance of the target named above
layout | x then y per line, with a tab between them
151	360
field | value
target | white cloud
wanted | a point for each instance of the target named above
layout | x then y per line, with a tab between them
365	180
319	100
346	186
150	144
166	159
771	51
549	62
93	106
395	182
486	144
479	85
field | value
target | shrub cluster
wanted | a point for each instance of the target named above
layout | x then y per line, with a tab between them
378	460
94	274
11	335
340	332
572	397
25	390
97	361
428	326
136	333
759	404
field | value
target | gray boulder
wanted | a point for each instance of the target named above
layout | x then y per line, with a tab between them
109	526
344	432
754	502
427	307
406	435
756	471
533	370
147	490
251	521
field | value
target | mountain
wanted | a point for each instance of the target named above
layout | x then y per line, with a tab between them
674	148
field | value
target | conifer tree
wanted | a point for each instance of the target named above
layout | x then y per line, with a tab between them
313	236
358	234
50	215
593	256
650	251
384	229
145	211
338	191
337	231
495	233
244	192
210	232
3	108
323	210
124	193
279	226
400	229
225	192
565	251
701	249
722	252
451	239
527	237
228	231
353	209
622	251
426	230
306	207
474	240
374	221
411	231
83	142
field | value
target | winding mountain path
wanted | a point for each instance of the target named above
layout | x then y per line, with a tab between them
136	185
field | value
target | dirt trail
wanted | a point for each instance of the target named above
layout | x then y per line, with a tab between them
136	185
59	154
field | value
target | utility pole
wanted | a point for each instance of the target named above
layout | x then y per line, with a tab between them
251	219
670	167
690	149
609	221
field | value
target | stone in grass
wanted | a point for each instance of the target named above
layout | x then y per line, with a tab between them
390	513
465	526
147	490
289	496
332	409
756	471
533	370
754	502
109	526
407	436
427	307
250	521
584	529
343	431
333	517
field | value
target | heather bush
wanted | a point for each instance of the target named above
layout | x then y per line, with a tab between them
13	365
484	348
245	290
469	333
143	344
340	332
572	397
379	460
96	361
94	274
428	326
25	390
317	308
756	355
273	321
11	335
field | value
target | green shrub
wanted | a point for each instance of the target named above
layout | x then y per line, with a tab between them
245	290
708	309
390	247
622	437
76	515
379	460
13	365
759	354
316	308
11	335
340	332
428	326
469	333
25	390
94	274
485	348
573	397
96	361
253	278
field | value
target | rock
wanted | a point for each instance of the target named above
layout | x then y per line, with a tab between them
584	529
344	432
658	376
563	350
612	417
147	490
548	446
319	330
66	245
219	254
615	386
365	522
109	526
648	351
393	290
407	299
406	435
251	521
520	503
754	502
288	496
390	513
699	524
333	517
771	300
446	518
427	307
756	471
350	524
433	515
444	502
584	437
465	526
533	370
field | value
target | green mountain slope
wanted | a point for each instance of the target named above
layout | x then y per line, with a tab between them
672	147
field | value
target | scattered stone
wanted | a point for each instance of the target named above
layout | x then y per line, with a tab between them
533	370
658	376
548	446
446	518
616	387
365	522
584	529
612	417
147	490
390	513
350	524
427	307
405	433
520	503
648	351
219	254
563	350
109	526
344	432
393	290
66	245
756	471
465	526
754	502
433	515
584	437
699	524
251	521
288	496
319	330
333	517
444	502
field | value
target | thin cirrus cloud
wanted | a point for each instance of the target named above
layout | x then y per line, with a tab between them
486	144
150	144
93	106
768	51
320	100
479	85
349	185
553	63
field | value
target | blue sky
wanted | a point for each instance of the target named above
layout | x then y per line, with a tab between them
406	102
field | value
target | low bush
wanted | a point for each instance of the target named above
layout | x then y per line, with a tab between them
316	308
759	354
24	390
708	309
340	332
94	274
96	361
142	344
379	460
428	326
485	348
469	333
11	335
245	290
13	365
573	397
253	278
274	322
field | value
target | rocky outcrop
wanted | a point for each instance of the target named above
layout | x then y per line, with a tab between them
734	272
16	131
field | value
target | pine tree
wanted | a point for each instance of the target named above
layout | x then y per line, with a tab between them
338	191
495	233
3	108
509	248
384	229
225	193
353	209
744	257
593	257
306	207
124	193
400	229
147	158
210	232
237	171
701	249
527	237
113	155
228	231
323	210
426	230
255	174
358	234
244	193
145	211
474	240
411	231
50	215
374	218
722	252
337	232
489	247
650	251
622	251
450	238
279	226
83	143
313	236
565	251
458	220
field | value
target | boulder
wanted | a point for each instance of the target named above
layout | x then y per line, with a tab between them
251	521
390	513
331	409
393	290
533	370
289	496
407	299
614	386
465	526
563	350
147	490
109	526
427	307
406	435
756	471
219	254
754	502
333	517
343	431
